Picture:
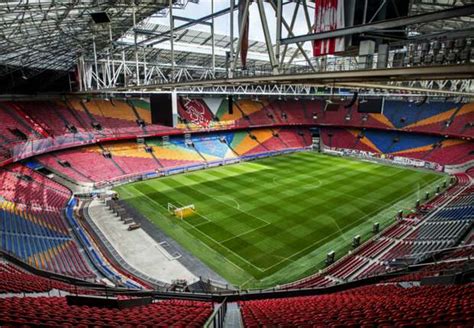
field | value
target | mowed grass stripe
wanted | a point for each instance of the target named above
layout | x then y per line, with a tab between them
186	222
266	214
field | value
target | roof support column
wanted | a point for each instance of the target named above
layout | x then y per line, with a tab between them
137	68
95	63
212	37
111	53
289	28
278	31
242	30
230	74
172	39
268	40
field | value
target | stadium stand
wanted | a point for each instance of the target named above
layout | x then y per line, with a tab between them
33	230
424	147
70	121
88	163
154	172
54	311
381	305
15	280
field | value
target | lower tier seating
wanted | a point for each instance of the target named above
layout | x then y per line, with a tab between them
54	312
31	225
16	280
383	305
88	164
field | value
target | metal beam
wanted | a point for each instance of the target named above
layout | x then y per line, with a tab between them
241	32
182	27
386	24
266	33
186	19
443	72
404	89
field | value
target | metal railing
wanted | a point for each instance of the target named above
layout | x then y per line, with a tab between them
216	320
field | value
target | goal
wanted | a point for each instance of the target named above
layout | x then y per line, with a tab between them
182	211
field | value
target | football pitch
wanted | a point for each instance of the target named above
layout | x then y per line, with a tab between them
271	221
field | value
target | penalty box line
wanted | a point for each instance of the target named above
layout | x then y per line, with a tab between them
244	233
220	201
240	257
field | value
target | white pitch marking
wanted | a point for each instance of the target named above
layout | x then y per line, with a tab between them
240	257
229	198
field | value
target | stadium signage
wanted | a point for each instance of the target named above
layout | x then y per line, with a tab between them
384	158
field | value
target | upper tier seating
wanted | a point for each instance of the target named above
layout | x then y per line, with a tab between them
54	312
388	305
70	121
87	162
424	147
13	128
53	117
111	115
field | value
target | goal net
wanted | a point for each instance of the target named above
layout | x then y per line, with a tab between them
182	211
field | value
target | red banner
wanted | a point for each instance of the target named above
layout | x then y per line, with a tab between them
329	16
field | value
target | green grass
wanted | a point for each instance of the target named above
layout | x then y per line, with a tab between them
272	221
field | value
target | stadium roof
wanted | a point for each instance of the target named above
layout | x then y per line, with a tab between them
193	47
51	34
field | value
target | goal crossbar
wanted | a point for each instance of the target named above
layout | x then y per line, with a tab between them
181	211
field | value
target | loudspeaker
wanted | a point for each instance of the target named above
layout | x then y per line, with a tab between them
100	17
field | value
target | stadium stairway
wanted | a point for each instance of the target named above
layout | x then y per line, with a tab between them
233	316
77	116
137	115
152	154
281	140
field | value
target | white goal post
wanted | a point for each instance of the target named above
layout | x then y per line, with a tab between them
182	211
